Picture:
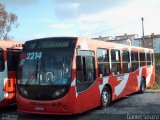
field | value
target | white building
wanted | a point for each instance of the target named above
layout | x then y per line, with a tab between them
122	39
150	41
137	42
156	45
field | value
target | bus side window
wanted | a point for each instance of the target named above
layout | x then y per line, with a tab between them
148	59
116	62
142	59
80	75
103	62
134	61
126	61
152	58
2	66
79	63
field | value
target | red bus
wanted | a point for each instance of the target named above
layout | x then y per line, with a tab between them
65	75
9	51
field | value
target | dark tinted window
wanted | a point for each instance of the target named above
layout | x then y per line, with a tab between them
134	61
85	70
103	55
50	43
142	59
148	59
126	61
103	62
152	56
115	55
125	56
12	60
1	60
116	62
134	56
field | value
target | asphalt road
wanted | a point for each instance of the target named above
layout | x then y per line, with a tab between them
134	107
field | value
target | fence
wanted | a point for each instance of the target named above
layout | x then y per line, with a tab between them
157	61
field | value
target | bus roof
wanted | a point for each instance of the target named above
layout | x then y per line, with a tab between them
94	42
10	44
47	38
110	45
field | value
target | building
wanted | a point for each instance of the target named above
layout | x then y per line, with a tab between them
138	42
125	37
122	39
108	38
150	41
156	43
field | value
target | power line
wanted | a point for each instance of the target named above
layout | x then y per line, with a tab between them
113	28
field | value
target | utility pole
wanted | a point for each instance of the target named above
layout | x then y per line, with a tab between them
142	30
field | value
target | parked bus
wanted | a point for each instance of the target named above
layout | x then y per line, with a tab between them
64	75
9	51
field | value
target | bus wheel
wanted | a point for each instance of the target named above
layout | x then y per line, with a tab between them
105	97
143	86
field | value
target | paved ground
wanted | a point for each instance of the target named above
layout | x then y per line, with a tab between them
137	106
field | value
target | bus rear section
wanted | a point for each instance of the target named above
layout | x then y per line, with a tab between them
9	57
64	75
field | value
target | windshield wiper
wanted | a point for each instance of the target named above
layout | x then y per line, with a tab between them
34	73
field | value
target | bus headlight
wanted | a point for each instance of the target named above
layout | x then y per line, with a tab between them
58	92
24	92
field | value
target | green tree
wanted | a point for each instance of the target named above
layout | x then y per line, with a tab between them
7	22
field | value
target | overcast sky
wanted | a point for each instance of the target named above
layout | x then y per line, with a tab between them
83	18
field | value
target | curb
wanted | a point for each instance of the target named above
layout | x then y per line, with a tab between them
152	91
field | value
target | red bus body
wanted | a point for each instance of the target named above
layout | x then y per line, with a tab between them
8	74
81	98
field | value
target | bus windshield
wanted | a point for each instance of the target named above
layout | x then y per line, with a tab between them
45	68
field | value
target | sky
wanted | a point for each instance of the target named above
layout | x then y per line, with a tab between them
83	18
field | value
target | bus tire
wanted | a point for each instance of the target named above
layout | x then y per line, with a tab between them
143	86
105	97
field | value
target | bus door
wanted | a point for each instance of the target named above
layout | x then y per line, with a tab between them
86	85
3	74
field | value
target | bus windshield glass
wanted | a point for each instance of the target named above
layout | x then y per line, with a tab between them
45	68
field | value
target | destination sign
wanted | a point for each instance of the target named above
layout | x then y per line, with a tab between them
50	43
54	44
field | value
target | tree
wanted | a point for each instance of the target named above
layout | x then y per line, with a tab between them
7	21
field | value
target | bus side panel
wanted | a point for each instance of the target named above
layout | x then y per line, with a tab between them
144	72
150	78
119	86
153	76
88	99
7	88
10	86
134	77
